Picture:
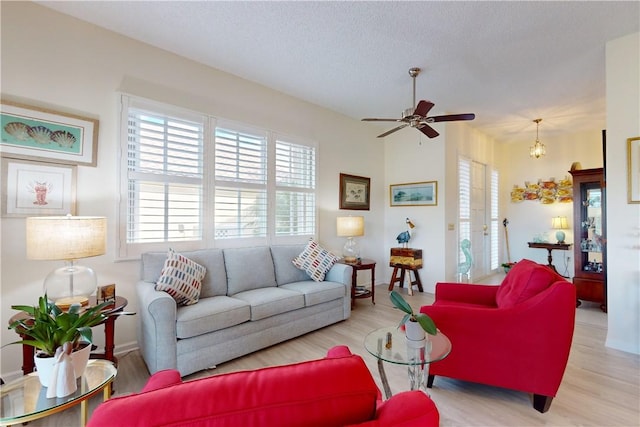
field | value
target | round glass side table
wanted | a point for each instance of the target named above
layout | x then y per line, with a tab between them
390	345
25	399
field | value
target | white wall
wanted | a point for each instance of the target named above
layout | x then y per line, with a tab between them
623	219
528	219
55	61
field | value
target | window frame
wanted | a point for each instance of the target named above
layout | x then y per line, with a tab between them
127	250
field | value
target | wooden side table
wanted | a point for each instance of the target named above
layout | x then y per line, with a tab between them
363	264
118	306
550	247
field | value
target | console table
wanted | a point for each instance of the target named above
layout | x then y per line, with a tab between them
550	247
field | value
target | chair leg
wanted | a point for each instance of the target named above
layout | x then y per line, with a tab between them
542	403
430	379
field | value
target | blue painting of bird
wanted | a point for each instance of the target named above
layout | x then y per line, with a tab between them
404	237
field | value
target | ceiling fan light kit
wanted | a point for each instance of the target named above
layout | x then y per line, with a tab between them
538	149
417	118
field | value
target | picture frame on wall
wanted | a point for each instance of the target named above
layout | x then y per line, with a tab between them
354	192
414	194
34	133
31	188
633	169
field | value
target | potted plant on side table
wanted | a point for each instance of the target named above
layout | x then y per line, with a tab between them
47	327
415	324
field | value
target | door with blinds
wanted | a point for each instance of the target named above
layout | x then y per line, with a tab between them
478	217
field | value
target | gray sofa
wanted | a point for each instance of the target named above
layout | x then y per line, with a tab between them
251	298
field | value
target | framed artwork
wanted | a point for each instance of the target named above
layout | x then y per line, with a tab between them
35	188
414	194
633	169
354	192
34	133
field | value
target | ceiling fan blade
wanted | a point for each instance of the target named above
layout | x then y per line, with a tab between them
423	108
389	132
369	119
452	117
428	130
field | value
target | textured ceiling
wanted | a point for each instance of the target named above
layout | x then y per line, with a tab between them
508	62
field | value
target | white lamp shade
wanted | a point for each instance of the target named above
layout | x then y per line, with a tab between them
350	226
559	223
66	237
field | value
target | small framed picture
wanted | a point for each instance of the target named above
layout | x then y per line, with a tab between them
354	192
106	293
414	194
36	188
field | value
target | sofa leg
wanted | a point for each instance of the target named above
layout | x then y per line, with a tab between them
542	403
430	381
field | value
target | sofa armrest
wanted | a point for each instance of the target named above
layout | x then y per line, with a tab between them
340	273
467	293
161	379
157	335
408	408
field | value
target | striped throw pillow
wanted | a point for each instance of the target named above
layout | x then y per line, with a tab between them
181	278
315	260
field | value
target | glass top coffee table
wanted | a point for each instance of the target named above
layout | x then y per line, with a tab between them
25	399
390	345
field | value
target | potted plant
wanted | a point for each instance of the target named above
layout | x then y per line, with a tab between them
416	324
47	327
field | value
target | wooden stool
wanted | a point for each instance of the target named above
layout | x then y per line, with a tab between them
401	269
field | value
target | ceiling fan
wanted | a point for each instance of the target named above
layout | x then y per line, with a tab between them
418	118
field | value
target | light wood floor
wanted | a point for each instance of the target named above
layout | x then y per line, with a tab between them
601	386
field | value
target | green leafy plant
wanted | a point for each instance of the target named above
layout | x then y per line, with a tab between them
425	321
47	326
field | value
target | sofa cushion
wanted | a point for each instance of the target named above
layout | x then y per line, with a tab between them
315	260
210	314
181	278
248	268
286	272
214	282
525	280
267	302
317	293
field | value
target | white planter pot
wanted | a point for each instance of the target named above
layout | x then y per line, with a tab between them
414	331
44	365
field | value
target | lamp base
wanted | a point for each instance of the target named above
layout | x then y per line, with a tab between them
560	236
66	302
350	252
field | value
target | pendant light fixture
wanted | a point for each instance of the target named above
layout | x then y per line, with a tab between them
537	150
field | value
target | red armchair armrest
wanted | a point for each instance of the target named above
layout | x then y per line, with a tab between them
466	293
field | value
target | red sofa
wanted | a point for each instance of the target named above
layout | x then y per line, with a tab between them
335	391
516	335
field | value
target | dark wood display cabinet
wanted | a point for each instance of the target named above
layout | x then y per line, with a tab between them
589	212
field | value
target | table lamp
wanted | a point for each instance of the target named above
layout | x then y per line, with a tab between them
67	238
559	223
350	227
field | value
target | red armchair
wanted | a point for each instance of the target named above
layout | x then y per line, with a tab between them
516	335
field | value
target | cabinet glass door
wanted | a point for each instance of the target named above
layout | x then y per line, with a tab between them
591	241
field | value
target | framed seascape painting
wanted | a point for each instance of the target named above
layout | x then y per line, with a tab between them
35	188
34	133
354	192
414	194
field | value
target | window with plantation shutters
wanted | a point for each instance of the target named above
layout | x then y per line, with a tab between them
164	177
240	184
190	181
295	189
